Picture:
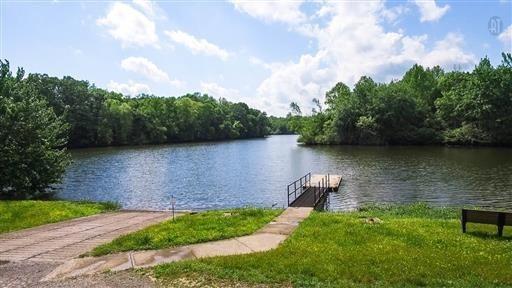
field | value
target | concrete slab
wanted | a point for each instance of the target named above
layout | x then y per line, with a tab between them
90	265
294	215
153	258
68	239
262	242
220	248
278	228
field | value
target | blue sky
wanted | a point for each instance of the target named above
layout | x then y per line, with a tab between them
264	53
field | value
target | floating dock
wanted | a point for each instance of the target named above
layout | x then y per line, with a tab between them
312	190
332	183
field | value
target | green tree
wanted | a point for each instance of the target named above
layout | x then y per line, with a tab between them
32	140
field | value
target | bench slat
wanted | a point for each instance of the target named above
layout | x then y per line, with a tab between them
508	219
483	217
500	219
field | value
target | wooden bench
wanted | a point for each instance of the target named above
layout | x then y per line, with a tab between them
501	219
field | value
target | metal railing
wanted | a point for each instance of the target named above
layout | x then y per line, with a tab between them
300	186
304	184
320	190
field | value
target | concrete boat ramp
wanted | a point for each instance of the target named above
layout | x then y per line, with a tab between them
63	242
267	238
66	240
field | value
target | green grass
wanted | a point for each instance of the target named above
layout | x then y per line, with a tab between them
413	246
192	228
16	215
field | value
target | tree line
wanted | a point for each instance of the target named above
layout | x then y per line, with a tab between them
41	115
101	118
426	106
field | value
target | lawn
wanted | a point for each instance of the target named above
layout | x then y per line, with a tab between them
192	228
412	246
16	215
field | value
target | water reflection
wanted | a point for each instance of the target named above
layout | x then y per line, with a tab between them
255	172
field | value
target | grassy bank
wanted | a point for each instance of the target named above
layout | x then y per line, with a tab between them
16	215
413	246
193	228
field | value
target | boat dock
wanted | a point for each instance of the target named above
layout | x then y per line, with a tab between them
312	190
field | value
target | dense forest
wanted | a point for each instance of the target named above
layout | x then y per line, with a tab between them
101	118
285	125
427	106
41	115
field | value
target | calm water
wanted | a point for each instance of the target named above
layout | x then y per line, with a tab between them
256	172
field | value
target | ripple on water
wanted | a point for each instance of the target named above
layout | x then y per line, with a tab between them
255	172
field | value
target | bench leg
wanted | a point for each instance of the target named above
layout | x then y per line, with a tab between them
463	219
500	230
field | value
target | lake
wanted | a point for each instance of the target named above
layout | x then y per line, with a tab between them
255	172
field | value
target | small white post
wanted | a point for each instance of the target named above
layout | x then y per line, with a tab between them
173	203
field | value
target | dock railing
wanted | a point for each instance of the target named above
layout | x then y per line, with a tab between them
320	189
304	184
297	187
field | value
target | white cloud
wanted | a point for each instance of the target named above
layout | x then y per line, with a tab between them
145	67
351	44
129	26
197	45
130	88
272	11
148	7
430	11
148	69
258	62
448	53
506	37
215	90
392	14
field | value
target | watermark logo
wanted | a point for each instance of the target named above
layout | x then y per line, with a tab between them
495	25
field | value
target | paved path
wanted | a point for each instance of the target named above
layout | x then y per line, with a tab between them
66	240
267	238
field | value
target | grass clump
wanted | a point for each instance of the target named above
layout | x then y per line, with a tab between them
410	246
192	228
16	215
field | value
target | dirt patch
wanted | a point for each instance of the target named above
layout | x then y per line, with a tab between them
200	281
28	274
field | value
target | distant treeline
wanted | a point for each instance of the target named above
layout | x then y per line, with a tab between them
427	106
284	125
41	115
97	117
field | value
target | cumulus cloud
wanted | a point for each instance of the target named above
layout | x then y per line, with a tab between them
215	90
148	7
272	11
148	69
392	14
128	25
430	11
506	37
130	88
351	44
258	62
448	53
196	45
